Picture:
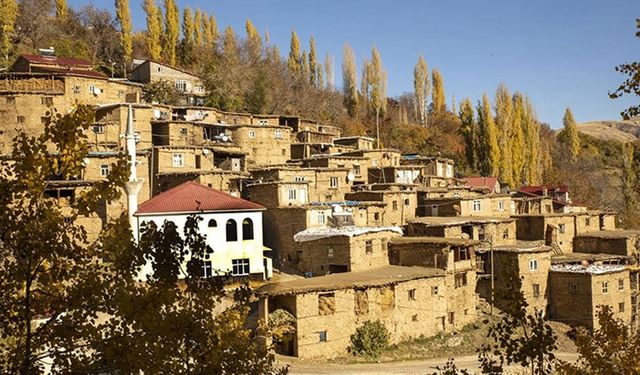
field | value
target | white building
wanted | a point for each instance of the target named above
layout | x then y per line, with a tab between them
233	228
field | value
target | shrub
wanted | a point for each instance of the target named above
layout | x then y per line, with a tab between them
369	339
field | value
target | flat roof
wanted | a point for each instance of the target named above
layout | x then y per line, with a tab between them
618	233
433	240
312	234
561	214
376	277
436	221
592	269
579	257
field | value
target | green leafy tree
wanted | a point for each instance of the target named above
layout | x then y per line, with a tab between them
315	71
469	132
613	348
518	147
370	339
489	147
631	85
161	92
154	29
123	14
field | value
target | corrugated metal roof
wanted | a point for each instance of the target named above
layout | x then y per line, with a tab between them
194	197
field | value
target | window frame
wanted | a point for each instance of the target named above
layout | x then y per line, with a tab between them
477	205
533	265
248	230
333	182
240	267
104	170
231	236
177	156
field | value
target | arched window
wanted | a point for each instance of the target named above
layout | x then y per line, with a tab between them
212	223
247	229
232	230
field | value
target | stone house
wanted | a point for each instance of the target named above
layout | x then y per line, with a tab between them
263	144
560	229
434	165
502	231
328	250
377	157
357	165
404	174
233	228
578	291
326	310
357	142
456	258
110	124
615	242
529	263
400	204
488	184
189	87
492	205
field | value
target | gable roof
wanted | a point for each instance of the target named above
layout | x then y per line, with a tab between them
478	182
54	60
57	65
192	197
148	61
539	189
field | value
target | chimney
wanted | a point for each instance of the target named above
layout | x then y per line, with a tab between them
134	184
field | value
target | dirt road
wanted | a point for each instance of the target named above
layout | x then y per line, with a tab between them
427	366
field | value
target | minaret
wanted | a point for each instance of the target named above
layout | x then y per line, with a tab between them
134	184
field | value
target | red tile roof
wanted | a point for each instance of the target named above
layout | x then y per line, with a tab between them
539	189
478	181
194	197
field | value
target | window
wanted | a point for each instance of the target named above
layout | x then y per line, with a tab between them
562	228
158	68
247	229
374	162
263	122
178	160
207	268
240	267
277	134
573	288
505	234
76	89
605	287
212	223
411	294
460	279
183	132
326	303
232	231
333	182
406	202
621	307
92	89
533	265
452	317
461	253
198	89
298	178
20	119
47	100
322	218
255	151
98	129
500	205
477	206
394	205
434	290
11	100
620	284
414	318
198	161
181	85
104	170
330	252
322	336
252	133
536	290
368	245
587	221
284	152
293	194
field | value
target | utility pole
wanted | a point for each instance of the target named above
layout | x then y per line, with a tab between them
378	126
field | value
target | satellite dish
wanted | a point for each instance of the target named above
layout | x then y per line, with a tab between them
205	151
337	208
224	138
351	177
465	236
85	162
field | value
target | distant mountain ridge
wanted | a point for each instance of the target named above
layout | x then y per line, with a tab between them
611	130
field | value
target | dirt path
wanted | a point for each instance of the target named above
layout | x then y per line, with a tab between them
427	366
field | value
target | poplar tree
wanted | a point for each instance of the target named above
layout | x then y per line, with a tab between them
570	138
533	162
8	18
306	72
188	28
469	130
376	88
421	86
123	14
230	46
489	139
349	80
314	67
504	113
61	9
295	58
328	71
154	29
254	41
518	149
438	95
211	32
171	30
198	28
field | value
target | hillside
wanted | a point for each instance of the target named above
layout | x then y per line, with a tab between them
622	131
